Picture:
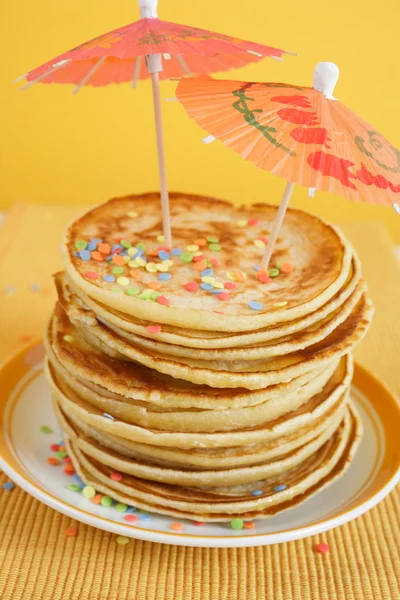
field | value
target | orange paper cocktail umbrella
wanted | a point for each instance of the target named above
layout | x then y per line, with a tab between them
302	134
149	48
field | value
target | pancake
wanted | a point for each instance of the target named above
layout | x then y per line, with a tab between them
208	477
133	381
214	504
208	339
305	241
252	374
73	404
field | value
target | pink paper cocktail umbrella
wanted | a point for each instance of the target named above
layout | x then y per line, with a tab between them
149	48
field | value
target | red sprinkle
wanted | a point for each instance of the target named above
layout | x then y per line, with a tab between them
163	300
264	277
200	242
254	221
229	285
286	268
116	476
219	312
97	256
70	531
191	286
198	258
97	498
61	447
104	248
263	239
214	262
198	523
322	548
53	461
91	274
69	469
54	447
130	518
153	252
176	526
223	296
67	459
118	260
154	328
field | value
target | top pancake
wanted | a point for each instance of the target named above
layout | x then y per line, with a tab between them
319	254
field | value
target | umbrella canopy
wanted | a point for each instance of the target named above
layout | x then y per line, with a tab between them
298	133
117	56
149	48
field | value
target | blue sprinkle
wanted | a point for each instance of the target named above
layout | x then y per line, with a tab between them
144	517
255	305
280	487
116	247
97	240
131	509
206	286
109	278
123	253
216	291
8	485
91	246
138	253
176	251
256	267
256	493
207	272
163	255
84	254
77	479
76	253
164	276
107	416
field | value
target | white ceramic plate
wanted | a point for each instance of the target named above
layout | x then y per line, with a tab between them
25	406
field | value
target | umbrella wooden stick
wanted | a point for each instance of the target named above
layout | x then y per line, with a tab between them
325	78
277	226
148	10
161	160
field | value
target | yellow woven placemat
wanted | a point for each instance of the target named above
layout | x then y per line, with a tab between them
37	560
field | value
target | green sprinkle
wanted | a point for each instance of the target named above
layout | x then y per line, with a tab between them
89	491
106	501
186	257
61	454
215	247
278	265
141	246
212	239
80	244
274	272
45	429
117	290
209	264
118	270
237	523
155	295
121	507
73	487
132	291
143	296
125	244
122	540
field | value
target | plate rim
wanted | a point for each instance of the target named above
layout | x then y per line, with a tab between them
241	540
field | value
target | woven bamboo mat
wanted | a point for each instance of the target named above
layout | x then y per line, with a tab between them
37	560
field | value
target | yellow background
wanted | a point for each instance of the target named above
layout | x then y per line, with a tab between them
59	148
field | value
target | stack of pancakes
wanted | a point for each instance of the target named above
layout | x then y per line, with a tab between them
190	383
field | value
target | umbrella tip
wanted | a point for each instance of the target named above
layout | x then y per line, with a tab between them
148	9
326	75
